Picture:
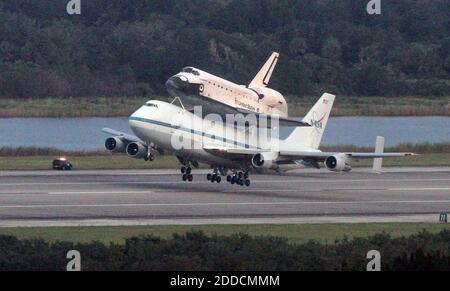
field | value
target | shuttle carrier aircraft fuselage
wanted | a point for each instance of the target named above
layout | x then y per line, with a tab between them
230	151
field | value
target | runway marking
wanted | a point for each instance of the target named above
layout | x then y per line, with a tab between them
321	180
224	204
299	191
417	189
22	192
237	191
86	192
334	189
100	192
99	183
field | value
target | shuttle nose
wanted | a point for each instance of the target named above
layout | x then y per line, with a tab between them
177	83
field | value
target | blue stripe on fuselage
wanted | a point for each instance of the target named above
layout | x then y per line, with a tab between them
164	124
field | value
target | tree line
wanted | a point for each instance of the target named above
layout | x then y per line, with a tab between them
194	251
130	48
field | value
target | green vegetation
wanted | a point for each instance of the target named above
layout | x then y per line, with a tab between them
294	233
105	162
30	158
238	252
376	106
115	48
88	162
70	107
116	106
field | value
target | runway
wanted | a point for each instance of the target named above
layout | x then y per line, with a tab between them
160	197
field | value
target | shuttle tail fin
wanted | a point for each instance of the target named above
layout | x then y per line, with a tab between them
317	117
263	77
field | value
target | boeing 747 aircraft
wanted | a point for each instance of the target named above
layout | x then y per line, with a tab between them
230	151
217	95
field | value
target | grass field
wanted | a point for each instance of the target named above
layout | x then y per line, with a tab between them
103	162
295	233
99	162
298	106
376	106
35	158
70	107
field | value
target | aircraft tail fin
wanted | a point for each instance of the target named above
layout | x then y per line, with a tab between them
317	117
263	77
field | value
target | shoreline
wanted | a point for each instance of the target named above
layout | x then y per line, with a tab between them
298	106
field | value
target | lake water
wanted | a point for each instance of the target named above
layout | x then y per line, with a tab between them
86	134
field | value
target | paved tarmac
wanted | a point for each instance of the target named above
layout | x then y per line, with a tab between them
137	197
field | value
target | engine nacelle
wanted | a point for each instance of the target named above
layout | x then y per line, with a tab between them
265	160
137	150
115	144
338	163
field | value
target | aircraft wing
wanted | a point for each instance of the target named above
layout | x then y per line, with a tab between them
237	151
295	155
323	155
122	135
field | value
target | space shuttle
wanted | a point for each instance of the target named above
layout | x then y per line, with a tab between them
220	96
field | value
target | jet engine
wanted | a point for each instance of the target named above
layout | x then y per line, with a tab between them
265	160
137	150
338	163
115	144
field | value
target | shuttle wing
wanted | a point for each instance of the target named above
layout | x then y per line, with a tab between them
288	122
223	109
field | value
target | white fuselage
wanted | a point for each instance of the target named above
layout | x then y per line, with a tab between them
197	87
176	130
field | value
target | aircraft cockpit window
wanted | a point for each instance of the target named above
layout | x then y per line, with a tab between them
190	71
151	105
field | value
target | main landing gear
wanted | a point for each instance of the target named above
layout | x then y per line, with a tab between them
239	178
214	177
186	171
